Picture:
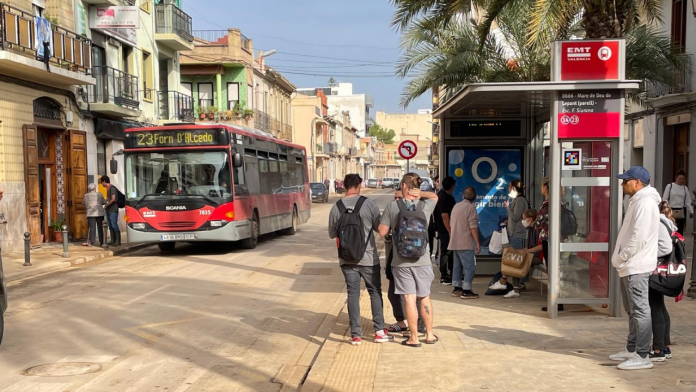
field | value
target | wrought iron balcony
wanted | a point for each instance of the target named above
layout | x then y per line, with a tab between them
24	34
681	83
115	87
174	105
171	22
262	121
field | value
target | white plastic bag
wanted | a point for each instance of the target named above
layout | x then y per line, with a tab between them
504	234
496	244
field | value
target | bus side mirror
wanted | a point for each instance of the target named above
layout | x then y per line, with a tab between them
237	160
113	165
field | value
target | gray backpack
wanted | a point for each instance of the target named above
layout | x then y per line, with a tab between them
411	231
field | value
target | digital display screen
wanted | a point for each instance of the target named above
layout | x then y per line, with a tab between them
485	128
176	138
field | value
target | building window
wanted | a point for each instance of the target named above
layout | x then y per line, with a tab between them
205	95
148	84
232	95
101	157
678	30
187	88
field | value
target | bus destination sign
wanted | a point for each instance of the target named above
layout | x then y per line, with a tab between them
176	138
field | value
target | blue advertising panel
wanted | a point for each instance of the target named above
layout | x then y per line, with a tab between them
489	171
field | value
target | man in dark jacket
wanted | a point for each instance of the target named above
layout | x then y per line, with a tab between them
445	204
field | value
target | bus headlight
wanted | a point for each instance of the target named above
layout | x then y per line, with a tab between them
215	223
139	226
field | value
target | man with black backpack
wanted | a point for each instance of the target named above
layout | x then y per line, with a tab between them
408	218
352	221
113	200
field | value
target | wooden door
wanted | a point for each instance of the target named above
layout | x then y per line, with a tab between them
681	148
31	183
77	183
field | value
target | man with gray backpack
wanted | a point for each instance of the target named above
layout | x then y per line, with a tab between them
352	221
408	218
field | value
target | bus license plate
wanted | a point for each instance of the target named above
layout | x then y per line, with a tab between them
178	237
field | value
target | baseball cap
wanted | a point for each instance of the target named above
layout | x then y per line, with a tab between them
636	173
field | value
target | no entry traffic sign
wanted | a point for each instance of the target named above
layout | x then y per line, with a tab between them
408	149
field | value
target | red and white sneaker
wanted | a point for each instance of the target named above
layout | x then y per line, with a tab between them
356	340
383	337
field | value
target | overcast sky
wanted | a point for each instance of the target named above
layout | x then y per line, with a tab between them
316	39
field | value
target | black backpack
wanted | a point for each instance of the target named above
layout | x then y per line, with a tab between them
351	242
669	276
411	231
569	224
120	199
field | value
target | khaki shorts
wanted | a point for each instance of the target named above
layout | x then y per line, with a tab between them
413	280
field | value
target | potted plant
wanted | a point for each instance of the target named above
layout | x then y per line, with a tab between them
201	112
211	112
248	113
228	115
238	110
57	227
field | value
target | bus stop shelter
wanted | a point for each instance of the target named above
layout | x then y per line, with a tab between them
494	133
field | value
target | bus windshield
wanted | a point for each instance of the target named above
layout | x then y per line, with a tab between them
184	174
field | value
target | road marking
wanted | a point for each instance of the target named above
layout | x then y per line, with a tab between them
134	300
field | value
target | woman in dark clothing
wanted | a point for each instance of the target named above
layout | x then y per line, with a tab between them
660	317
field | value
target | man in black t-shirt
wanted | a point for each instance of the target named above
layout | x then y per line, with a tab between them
445	204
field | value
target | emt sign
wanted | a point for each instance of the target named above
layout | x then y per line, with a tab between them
583	60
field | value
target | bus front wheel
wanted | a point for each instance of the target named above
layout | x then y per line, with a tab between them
166	246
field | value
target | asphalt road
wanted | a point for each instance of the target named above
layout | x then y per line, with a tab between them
208	317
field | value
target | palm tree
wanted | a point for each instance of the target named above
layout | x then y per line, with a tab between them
453	54
599	18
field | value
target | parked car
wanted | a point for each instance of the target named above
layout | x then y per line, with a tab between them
428	185
372	183
387	182
319	192
397	183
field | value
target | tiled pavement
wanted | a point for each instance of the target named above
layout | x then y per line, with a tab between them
502	344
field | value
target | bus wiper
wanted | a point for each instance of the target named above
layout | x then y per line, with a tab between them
206	198
146	196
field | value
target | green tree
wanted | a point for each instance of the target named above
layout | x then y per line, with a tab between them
599	18
454	54
383	135
332	82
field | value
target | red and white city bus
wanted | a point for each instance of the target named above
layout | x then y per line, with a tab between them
194	183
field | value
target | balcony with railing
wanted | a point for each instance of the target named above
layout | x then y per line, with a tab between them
175	106
173	27
30	45
115	93
681	81
219	46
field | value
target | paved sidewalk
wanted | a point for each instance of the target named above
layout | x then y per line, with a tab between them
49	258
502	344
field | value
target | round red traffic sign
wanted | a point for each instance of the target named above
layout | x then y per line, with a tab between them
408	149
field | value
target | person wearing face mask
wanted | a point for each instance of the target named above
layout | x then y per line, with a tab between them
516	231
529	217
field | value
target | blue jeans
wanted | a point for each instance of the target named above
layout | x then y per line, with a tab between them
113	220
516	243
466	260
